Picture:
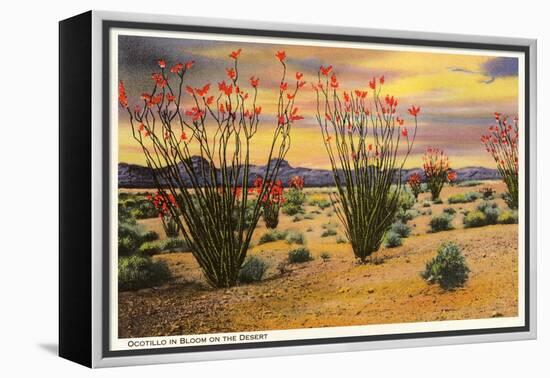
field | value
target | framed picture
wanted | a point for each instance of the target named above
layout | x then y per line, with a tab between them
232	189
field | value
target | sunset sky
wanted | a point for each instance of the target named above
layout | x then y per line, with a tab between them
458	94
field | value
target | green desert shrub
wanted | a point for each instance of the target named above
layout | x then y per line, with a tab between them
393	240
137	272
271	236
341	240
292	209
448	268
508	217
149	236
401	229
449	210
487	193
325	256
294	200
329	232
426	204
475	218
491	211
463	197
299	255
405	216
150	248
295	237
441	222
253	270
167	245
174	245
146	209
129	238
405	200
298	218
321	203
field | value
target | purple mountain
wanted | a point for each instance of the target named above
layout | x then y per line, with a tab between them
137	176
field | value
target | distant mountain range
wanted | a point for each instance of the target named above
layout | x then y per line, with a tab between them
137	176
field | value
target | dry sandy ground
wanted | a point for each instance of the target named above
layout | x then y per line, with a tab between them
336	292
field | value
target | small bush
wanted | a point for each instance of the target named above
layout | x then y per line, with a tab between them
392	240
174	245
299	255
487	193
149	236
508	217
401	229
405	216
294	200
137	272
309	216
325	256
438	201
129	238
341	240
468	183
405	200
329	232
253	270
491	211
448	268
271	236
475	219
484	205
442	222
146	209
292	209
321	203
295	237
463	197
449	210
426	204
159	246
150	248
298	218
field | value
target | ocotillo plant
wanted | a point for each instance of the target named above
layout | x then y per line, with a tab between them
502	143
436	167
415	183
271	200
296	182
451	177
294	196
362	140
162	205
177	123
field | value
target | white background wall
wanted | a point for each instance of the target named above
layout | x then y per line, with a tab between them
28	186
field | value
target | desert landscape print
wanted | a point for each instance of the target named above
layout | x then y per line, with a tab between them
279	185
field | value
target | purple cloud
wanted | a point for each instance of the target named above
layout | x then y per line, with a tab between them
493	69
